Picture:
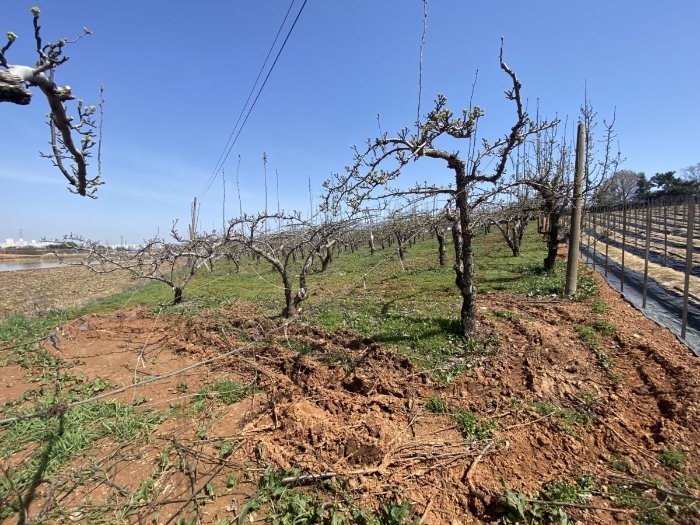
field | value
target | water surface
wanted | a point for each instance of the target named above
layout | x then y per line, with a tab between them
27	264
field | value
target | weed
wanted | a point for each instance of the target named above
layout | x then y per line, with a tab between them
202	432
516	405
566	418
515	507
303	347
621	464
472	427
587	399
180	388
647	508
591	340
673	458
604	327
568	492
435	405
598	306
228	391
687	481
337	358
589	337
507	314
199	401
276	501
226	448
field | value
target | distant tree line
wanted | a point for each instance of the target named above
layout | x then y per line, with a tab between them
629	186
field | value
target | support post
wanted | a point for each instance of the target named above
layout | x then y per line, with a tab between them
577	209
688	262
646	256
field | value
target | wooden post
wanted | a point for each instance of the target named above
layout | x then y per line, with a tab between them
575	228
646	258
595	238
665	205
688	262
608	233
624	237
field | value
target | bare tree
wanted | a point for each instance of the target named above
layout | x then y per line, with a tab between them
547	166
280	247
437	222
598	167
173	263
70	158
621	187
365	179
511	218
692	173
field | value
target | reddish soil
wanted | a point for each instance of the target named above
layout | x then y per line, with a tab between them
355	409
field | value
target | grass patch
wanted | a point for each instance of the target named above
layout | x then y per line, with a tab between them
54	441
435	405
598	306
472	427
603	327
592	341
566	418
277	500
673	458
507	314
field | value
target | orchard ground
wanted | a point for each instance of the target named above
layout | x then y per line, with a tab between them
366	407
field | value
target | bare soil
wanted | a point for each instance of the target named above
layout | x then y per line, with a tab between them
35	292
354	409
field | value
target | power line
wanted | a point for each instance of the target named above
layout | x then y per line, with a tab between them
252	89
229	143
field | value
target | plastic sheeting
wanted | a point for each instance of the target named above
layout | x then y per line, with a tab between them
663	306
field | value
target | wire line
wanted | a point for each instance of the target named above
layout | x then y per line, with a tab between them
230	147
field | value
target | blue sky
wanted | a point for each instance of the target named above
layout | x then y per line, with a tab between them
177	75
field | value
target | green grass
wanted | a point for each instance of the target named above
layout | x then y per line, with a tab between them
435	405
673	458
603	327
590	336
472	427
54	441
598	306
537	282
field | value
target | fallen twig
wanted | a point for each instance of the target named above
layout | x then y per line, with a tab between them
647	485
467	477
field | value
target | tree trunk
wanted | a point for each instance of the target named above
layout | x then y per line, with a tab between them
178	295
442	248
553	218
402	246
290	309
463	234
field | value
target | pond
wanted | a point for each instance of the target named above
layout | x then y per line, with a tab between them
26	264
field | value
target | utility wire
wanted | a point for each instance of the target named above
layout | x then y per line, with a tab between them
230	144
252	90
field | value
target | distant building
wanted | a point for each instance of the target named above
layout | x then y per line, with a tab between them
21	243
